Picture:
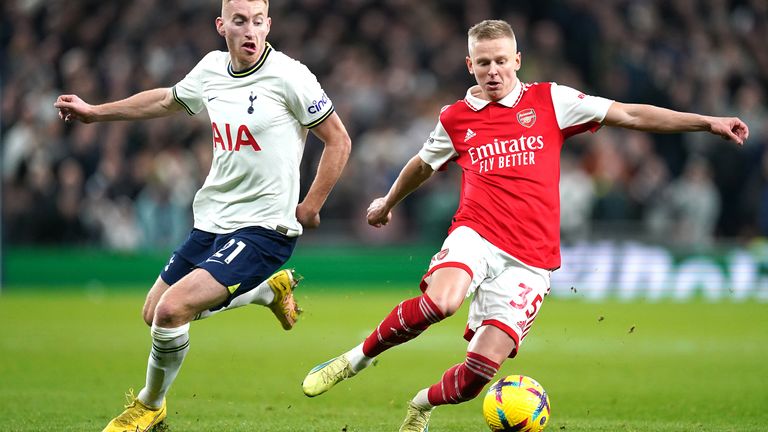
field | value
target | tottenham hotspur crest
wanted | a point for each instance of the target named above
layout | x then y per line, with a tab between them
252	98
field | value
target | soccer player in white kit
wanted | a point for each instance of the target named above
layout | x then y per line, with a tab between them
504	238
247	214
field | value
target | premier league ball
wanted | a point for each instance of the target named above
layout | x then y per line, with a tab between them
516	403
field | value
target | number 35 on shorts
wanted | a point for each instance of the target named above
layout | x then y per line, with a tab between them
523	301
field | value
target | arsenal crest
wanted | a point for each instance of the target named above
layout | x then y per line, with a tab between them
527	117
440	255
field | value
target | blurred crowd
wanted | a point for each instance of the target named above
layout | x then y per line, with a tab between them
389	66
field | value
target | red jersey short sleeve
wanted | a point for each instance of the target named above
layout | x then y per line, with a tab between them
509	152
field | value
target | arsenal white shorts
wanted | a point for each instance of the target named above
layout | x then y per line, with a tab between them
507	293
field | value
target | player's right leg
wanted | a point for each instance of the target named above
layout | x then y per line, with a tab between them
170	345
444	294
488	349
143	412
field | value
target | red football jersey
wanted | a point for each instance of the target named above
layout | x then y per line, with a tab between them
509	153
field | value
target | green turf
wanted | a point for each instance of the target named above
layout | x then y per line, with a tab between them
65	362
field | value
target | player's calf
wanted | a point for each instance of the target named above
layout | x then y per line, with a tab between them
464	381
406	321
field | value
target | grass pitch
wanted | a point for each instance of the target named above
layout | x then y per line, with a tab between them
66	359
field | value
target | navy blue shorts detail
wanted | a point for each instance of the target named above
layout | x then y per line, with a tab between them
240	260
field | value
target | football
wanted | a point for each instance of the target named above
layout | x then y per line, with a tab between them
516	403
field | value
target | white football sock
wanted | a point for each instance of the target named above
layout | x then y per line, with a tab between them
357	359
421	399
169	347
261	295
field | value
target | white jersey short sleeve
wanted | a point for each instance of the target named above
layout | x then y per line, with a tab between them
189	91
438	150
573	107
259	123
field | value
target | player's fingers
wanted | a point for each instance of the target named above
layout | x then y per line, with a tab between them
735	138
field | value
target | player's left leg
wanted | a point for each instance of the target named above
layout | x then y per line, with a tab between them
500	316
488	349
276	293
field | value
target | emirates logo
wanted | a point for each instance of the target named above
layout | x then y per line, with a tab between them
526	117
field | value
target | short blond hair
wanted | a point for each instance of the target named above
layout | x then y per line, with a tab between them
224	2
490	29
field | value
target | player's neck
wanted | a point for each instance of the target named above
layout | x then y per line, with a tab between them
241	66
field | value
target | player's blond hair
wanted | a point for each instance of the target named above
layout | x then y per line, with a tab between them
224	2
490	29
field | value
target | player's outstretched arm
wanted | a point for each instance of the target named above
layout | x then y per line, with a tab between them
335	154
651	118
415	172
147	104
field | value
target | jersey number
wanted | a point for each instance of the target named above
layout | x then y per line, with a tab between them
523	302
232	255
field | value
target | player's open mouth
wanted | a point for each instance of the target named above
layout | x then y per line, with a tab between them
493	85
250	47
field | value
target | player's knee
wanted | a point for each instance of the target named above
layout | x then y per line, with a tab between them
148	317
447	304
167	314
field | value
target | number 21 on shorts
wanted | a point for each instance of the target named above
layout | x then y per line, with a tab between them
239	246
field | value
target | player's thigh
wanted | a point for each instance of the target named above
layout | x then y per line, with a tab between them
246	258
493	343
510	302
457	269
448	287
197	247
194	293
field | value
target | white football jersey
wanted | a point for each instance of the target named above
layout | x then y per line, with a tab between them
259	122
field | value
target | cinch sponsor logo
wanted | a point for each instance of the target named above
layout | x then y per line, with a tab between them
317	106
229	142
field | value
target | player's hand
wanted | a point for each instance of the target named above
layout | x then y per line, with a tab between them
379	213
71	107
308	218
730	128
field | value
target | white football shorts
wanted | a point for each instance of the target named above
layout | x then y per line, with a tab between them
507	293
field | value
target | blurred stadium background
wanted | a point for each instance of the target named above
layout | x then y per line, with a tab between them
688	205
97	209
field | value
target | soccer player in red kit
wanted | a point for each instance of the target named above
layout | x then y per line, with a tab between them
504	239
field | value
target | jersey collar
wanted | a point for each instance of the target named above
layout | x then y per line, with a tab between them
509	101
256	66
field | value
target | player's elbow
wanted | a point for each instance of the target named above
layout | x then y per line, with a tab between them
345	144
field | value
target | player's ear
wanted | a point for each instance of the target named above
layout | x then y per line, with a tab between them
469	66
518	61
220	26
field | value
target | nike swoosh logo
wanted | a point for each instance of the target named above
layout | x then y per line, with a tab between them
212	98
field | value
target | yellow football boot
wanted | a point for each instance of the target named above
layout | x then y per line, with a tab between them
137	417
416	420
326	375
284	305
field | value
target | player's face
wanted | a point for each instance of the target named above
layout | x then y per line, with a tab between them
244	25
494	63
